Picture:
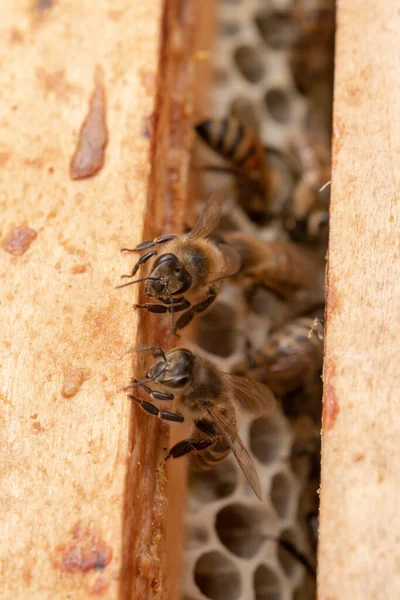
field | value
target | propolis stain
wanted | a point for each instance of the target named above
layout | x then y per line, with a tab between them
85	550
73	380
18	240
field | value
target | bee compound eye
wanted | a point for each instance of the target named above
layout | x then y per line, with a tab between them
157	286
177	381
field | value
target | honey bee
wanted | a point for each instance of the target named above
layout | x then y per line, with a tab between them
239	144
316	18
290	358
307	215
210	399
312	54
264	179
282	267
187	276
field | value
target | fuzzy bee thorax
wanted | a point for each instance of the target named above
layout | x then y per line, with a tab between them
201	259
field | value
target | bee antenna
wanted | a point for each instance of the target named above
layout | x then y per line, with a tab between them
136	384
144	381
136	281
145	348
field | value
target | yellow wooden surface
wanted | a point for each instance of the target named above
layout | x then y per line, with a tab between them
359	555
82	490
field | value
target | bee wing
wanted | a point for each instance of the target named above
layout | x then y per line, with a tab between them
251	395
298	357
232	261
208	219
287	361
236	445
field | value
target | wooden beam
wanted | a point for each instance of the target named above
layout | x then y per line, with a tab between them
360	520
83	488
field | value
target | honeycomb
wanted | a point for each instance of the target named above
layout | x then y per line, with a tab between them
234	548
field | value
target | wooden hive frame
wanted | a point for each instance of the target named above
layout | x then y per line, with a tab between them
359	521
84	491
73	459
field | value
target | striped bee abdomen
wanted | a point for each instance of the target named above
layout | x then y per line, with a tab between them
208	458
233	141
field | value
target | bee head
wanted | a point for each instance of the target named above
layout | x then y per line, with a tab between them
176	372
310	228
168	277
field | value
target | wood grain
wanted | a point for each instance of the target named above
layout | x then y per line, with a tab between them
83	488
360	521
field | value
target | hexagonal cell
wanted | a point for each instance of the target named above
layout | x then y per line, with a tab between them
266	439
250	62
196	536
266	584
217	330
217	577
220	77
279	105
228	28
217	483
239	528
281	489
276	28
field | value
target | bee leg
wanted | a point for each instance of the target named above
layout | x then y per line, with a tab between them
159	395
206	427
161	308
174	300
140	262
153	410
197	308
154	308
154	394
187	446
162	239
150	244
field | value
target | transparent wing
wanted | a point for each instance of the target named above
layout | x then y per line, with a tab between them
236	445
209	217
288	361
251	395
232	261
300	355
